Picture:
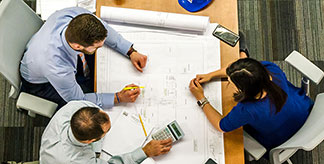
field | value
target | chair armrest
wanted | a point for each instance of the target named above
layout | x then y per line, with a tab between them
306	67
36	105
13	93
253	147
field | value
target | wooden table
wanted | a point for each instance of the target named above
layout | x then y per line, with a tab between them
220	11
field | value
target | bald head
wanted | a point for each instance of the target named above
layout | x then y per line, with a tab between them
88	123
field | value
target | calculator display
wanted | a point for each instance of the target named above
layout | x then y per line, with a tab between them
176	129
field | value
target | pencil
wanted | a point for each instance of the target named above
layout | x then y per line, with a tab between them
128	88
147	137
142	125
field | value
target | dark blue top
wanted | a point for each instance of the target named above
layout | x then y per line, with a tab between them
263	124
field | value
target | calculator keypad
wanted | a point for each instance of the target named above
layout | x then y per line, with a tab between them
163	134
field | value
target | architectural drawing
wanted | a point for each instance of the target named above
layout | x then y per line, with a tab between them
173	60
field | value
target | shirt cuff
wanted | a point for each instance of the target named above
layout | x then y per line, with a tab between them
125	46
138	155
103	100
107	100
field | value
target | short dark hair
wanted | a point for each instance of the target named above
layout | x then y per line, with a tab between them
251	78
85	29
86	123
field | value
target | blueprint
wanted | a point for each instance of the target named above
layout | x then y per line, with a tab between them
173	60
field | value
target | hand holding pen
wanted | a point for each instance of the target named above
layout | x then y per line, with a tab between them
128	94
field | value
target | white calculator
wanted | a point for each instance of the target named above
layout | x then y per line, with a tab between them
172	130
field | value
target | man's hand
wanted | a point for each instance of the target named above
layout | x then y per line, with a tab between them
196	89
157	147
138	60
129	95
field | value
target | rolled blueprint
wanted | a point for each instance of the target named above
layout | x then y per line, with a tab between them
154	18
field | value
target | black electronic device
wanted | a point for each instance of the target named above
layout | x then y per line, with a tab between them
226	35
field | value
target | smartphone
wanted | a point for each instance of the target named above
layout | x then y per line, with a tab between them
210	161
226	35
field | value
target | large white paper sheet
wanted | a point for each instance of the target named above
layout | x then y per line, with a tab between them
173	60
154	18
126	134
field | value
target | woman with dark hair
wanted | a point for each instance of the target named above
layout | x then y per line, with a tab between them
269	107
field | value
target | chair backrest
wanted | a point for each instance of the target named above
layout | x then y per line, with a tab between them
309	135
18	23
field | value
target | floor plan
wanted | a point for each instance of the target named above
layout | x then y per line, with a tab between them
173	60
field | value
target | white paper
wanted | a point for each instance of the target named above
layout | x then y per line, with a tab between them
173	60
48	7
87	4
126	134
38	7
154	18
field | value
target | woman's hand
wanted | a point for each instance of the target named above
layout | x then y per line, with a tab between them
196	89
203	78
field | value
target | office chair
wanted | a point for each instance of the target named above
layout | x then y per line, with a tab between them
310	134
18	23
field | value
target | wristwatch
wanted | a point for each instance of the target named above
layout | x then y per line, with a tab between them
130	51
202	102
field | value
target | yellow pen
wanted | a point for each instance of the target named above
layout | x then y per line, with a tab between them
142	125
128	88
140	118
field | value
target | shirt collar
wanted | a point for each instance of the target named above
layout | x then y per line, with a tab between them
66	44
73	140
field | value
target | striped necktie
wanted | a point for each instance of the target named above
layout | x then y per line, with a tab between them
86	70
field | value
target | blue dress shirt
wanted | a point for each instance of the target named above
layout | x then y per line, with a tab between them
59	145
259	119
49	58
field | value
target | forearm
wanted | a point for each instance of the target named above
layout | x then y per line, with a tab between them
137	156
221	73
213	116
116	41
103	100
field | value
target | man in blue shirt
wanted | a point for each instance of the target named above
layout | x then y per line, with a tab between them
75	133
50	62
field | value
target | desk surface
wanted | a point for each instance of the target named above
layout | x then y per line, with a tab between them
220	11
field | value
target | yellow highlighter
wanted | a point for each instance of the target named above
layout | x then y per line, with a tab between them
128	88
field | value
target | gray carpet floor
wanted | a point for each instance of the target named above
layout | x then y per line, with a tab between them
273	29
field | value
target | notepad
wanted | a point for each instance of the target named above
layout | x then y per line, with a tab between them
125	135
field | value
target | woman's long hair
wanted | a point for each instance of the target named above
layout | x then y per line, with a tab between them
251	78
